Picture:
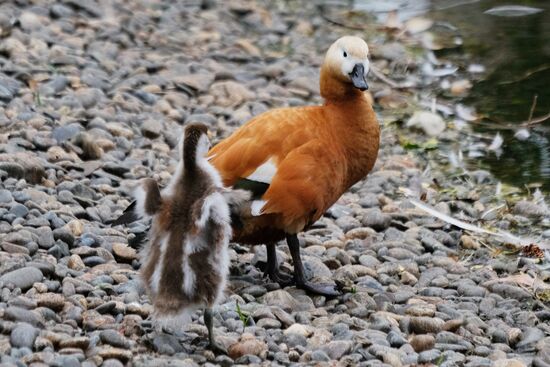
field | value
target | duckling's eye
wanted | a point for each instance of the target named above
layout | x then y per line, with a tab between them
345	54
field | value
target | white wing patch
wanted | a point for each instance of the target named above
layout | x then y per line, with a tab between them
264	173
256	207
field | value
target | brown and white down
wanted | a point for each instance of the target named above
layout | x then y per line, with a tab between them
185	264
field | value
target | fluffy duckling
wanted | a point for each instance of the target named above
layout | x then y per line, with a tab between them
298	161
186	262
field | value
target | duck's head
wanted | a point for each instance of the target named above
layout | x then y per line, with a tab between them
347	63
195	145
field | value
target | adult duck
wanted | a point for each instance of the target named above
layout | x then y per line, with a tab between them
298	161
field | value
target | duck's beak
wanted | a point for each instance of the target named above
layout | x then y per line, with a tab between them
357	76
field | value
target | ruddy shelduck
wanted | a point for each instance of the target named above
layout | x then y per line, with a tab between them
298	161
186	262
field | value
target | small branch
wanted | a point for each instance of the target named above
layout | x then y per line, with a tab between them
533	105
502	125
527	74
538	120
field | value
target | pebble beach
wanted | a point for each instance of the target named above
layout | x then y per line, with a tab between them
94	95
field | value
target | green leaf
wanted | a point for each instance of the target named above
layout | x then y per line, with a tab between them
430	144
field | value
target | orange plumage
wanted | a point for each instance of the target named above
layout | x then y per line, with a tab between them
318	151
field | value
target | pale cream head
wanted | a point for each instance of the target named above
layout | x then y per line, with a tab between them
347	59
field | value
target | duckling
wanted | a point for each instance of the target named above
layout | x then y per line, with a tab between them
298	161
186	262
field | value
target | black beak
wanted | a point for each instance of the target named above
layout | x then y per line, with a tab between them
357	76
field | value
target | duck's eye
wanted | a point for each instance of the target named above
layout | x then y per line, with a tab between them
345	54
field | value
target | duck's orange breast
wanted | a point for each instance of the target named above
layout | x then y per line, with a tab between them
309	156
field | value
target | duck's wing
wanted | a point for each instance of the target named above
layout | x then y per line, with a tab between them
308	181
250	156
283	158
147	201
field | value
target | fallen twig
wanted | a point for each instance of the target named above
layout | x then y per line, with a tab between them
507	236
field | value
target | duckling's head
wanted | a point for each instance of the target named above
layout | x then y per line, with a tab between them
195	145
347	63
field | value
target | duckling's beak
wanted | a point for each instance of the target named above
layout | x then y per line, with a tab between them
357	76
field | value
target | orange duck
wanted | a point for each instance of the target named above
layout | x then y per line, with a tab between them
298	161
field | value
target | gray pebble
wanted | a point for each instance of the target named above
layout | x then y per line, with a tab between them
293	340
19	210
23	335
375	219
5	196
319	356
115	339
22	278
20	314
167	344
112	363
428	356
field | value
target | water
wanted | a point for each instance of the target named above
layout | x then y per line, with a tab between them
516	54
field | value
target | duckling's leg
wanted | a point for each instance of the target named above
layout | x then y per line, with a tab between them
327	290
272	267
209	322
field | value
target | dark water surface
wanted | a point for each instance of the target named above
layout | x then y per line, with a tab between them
515	51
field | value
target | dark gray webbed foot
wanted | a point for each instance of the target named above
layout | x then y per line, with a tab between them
322	289
327	290
272	268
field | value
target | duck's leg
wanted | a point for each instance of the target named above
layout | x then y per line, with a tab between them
272	267
327	290
209	323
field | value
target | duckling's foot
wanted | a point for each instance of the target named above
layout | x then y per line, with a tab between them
209	323
217	348
322	289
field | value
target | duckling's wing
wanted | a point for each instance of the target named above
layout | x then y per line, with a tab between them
213	207
129	215
147	202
